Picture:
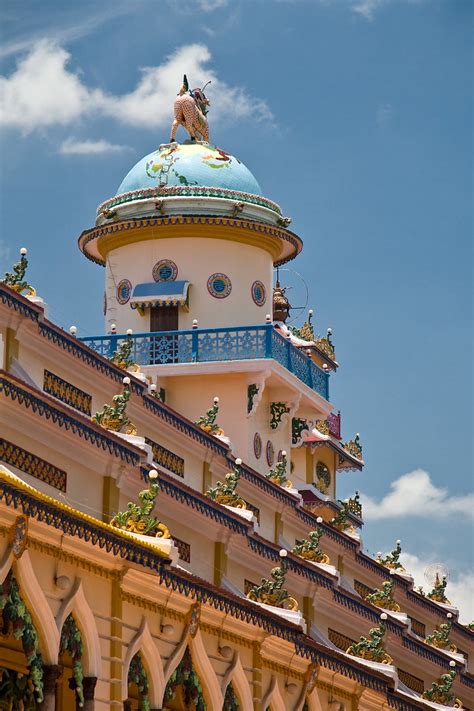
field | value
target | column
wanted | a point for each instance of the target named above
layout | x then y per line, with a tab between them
51	673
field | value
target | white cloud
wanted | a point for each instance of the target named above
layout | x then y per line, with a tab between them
211	5
458	591
384	113
72	147
43	91
367	8
414	494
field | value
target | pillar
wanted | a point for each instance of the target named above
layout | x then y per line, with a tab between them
309	465
51	673
206	477
220	563
110	499
257	677
88	684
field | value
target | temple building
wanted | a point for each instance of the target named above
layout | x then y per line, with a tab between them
171	532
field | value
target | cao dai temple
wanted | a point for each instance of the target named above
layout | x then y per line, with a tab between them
171	535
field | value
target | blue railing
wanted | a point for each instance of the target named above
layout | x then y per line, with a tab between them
217	344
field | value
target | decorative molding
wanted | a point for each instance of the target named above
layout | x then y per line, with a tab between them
31	464
367	611
184	549
16	390
277	412
19	303
166	458
67	393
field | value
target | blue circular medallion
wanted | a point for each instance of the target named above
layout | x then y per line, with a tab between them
165	270
259	294
257	445
124	291
219	285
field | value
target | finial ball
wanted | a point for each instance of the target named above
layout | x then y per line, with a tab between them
379	554
398	541
329	331
383	616
310	312
238	461
23	251
268	318
126	380
452	663
283	553
152	474
216	400
73	330
449	615
283	453
319	519
129	331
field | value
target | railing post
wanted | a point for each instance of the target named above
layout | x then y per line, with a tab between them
113	344
195	345
268	340
289	363
310	373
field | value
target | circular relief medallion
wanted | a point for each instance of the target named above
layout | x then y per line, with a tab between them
104	303
219	285
257	445
165	270
124	291
270	453
259	294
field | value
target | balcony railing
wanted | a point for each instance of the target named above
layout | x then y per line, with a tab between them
334	422
202	345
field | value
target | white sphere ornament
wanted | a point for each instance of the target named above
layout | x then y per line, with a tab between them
73	330
113	328
449	615
23	251
383	616
310	312
216	400
129	331
379	554
398	541
153	387
126	380
452	663
153	474
268	318
283	553
238	461
329	331
283	454
319	519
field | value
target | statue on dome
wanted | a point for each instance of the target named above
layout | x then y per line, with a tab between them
190	111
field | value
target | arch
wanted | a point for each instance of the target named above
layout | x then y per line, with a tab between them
38	607
6	564
211	688
236	676
143	643
273	697
77	605
313	701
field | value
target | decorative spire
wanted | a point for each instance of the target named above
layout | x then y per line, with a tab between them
271	591
306	331
208	423
326	345
371	647
383	597
354	447
224	492
440	692
440	637
16	278
392	560
277	474
137	518
114	417
281	305
309	548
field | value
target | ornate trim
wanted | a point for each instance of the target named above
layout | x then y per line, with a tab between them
67	393
166	458
426	651
344	540
306	571
31	464
19	303
83	429
357	605
124	225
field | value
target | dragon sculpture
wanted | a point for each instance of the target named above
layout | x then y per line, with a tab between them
190	111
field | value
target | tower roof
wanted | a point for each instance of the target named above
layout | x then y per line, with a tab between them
187	165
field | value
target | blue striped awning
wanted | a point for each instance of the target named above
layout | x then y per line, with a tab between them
160	293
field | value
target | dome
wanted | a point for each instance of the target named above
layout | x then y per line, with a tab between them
186	165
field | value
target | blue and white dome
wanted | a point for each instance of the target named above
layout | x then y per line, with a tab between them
188	165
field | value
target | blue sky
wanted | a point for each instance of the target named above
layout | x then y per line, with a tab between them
355	116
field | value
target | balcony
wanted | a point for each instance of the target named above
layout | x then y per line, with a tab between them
203	345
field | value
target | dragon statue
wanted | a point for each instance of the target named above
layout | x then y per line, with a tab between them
190	111
354	447
114	417
392	560
123	355
224	492
16	278
271	591
438	593
383	597
208	423
440	692
277	475
137	518
371	647
440	637
309	548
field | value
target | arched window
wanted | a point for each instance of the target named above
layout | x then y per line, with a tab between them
323	477
184	690
231	702
137	686
71	649
21	666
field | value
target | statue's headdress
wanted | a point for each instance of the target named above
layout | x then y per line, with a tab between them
185	85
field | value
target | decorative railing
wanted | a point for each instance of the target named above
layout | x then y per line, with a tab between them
334	422
217	344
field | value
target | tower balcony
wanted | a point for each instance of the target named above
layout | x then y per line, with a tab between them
212	345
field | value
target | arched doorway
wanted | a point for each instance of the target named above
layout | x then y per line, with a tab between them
21	665
70	689
138	687
184	690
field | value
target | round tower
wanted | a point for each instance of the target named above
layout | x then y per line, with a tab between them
188	238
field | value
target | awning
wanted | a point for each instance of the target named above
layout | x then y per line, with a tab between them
160	293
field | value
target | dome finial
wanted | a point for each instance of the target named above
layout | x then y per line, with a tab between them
190	110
